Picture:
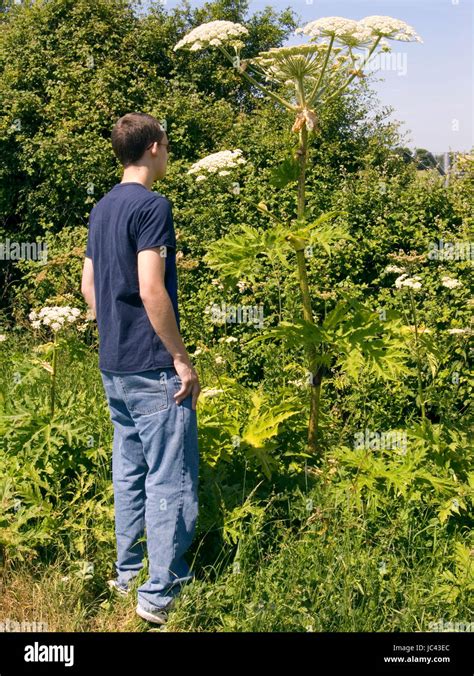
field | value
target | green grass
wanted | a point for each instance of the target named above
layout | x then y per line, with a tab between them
309	557
333	571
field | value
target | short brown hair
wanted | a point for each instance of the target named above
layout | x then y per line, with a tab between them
132	134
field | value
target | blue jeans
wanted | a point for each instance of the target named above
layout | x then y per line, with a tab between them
155	463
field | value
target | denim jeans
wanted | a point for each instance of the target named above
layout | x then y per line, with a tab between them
155	463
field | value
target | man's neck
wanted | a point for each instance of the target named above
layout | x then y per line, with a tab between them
138	175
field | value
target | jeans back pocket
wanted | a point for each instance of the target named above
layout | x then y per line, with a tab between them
145	393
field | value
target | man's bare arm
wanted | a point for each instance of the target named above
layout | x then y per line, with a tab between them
87	284
160	311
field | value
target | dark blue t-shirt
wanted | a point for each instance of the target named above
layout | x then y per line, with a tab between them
128	219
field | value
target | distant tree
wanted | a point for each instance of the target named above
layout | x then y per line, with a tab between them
424	159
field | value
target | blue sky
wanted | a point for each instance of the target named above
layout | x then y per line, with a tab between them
429	85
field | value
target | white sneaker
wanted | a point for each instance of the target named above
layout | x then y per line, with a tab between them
113	584
158	616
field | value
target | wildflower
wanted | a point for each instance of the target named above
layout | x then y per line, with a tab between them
231	339
217	163
411	257
54	317
450	282
241	285
213	33
326	295
2	337
387	27
299	383
405	280
281	53
394	268
455	332
211	392
219	360
196	352
289	64
336	27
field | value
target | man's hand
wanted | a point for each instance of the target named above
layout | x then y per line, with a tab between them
160	311
189	381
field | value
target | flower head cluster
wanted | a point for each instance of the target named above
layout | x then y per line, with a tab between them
242	285
410	282
287	64
217	163
2	337
353	32
211	392
345	30
450	282
55	317
387	27
213	33
456	332
394	268
407	258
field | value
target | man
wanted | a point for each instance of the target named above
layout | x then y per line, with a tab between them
129	281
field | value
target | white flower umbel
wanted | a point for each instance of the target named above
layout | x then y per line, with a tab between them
211	392
456	332
318	71
213	34
289	64
450	282
410	282
339	28
55	317
242	285
334	32
387	27
394	268
217	164
2	337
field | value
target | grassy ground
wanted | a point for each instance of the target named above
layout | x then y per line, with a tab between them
337	566
336	571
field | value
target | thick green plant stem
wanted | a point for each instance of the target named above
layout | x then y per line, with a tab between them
316	374
418	360
53	375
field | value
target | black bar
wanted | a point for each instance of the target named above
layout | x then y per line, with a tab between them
153	652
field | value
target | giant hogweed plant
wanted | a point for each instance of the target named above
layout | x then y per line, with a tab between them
306	77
